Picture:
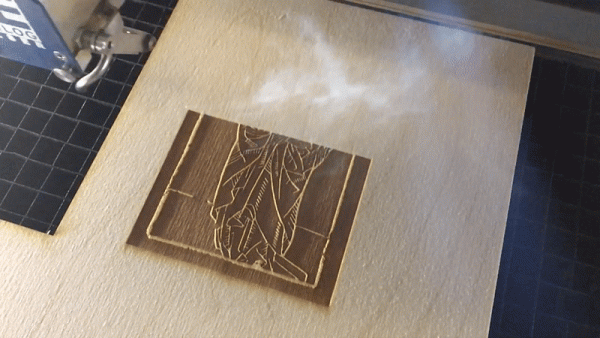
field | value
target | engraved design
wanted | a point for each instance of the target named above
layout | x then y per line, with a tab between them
254	205
258	197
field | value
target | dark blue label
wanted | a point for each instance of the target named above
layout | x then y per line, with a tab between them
7	16
15	25
28	35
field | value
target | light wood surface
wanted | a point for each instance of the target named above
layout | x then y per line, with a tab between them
440	121
531	21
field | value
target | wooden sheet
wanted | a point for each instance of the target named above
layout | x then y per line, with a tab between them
439	121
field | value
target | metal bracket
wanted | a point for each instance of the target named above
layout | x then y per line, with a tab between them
104	34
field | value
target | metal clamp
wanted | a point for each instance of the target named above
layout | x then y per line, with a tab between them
106	35
100	43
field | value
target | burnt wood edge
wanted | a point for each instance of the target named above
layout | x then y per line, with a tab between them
341	231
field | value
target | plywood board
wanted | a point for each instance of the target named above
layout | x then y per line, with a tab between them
254	205
441	126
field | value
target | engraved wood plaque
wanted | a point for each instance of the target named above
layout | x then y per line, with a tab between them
254	205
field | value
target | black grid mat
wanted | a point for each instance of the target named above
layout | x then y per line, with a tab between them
549	278
50	134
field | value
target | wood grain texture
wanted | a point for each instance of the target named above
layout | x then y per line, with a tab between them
176	219
441	126
541	23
